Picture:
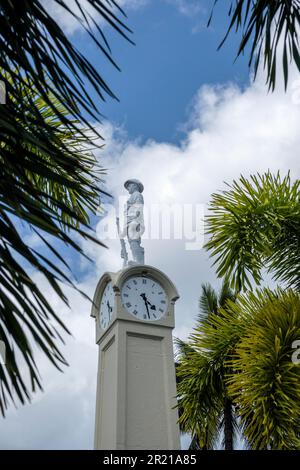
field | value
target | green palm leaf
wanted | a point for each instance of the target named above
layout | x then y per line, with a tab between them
264	24
49	178
205	410
266	385
255	225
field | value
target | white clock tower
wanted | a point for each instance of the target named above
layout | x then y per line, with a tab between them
136	385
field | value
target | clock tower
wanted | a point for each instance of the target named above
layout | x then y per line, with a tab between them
136	383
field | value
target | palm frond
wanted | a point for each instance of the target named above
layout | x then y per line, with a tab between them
50	186
266	385
201	372
264	25
254	225
35	48
225	293
49	178
208	302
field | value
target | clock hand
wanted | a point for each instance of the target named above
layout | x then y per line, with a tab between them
146	304
153	307
109	309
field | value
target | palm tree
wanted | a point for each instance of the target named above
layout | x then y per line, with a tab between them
49	178
53	201
205	408
244	354
34	47
266	24
260	329
255	225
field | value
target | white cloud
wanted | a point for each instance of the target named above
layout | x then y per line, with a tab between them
71	25
230	132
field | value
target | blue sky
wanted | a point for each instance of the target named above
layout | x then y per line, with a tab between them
189	118
175	53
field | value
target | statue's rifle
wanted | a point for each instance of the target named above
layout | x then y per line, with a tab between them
124	254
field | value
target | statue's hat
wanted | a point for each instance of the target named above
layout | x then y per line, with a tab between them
135	181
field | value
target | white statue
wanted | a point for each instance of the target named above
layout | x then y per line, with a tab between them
133	222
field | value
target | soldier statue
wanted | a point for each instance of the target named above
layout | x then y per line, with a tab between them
134	221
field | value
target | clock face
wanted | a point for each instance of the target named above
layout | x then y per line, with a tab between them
106	306
144	298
